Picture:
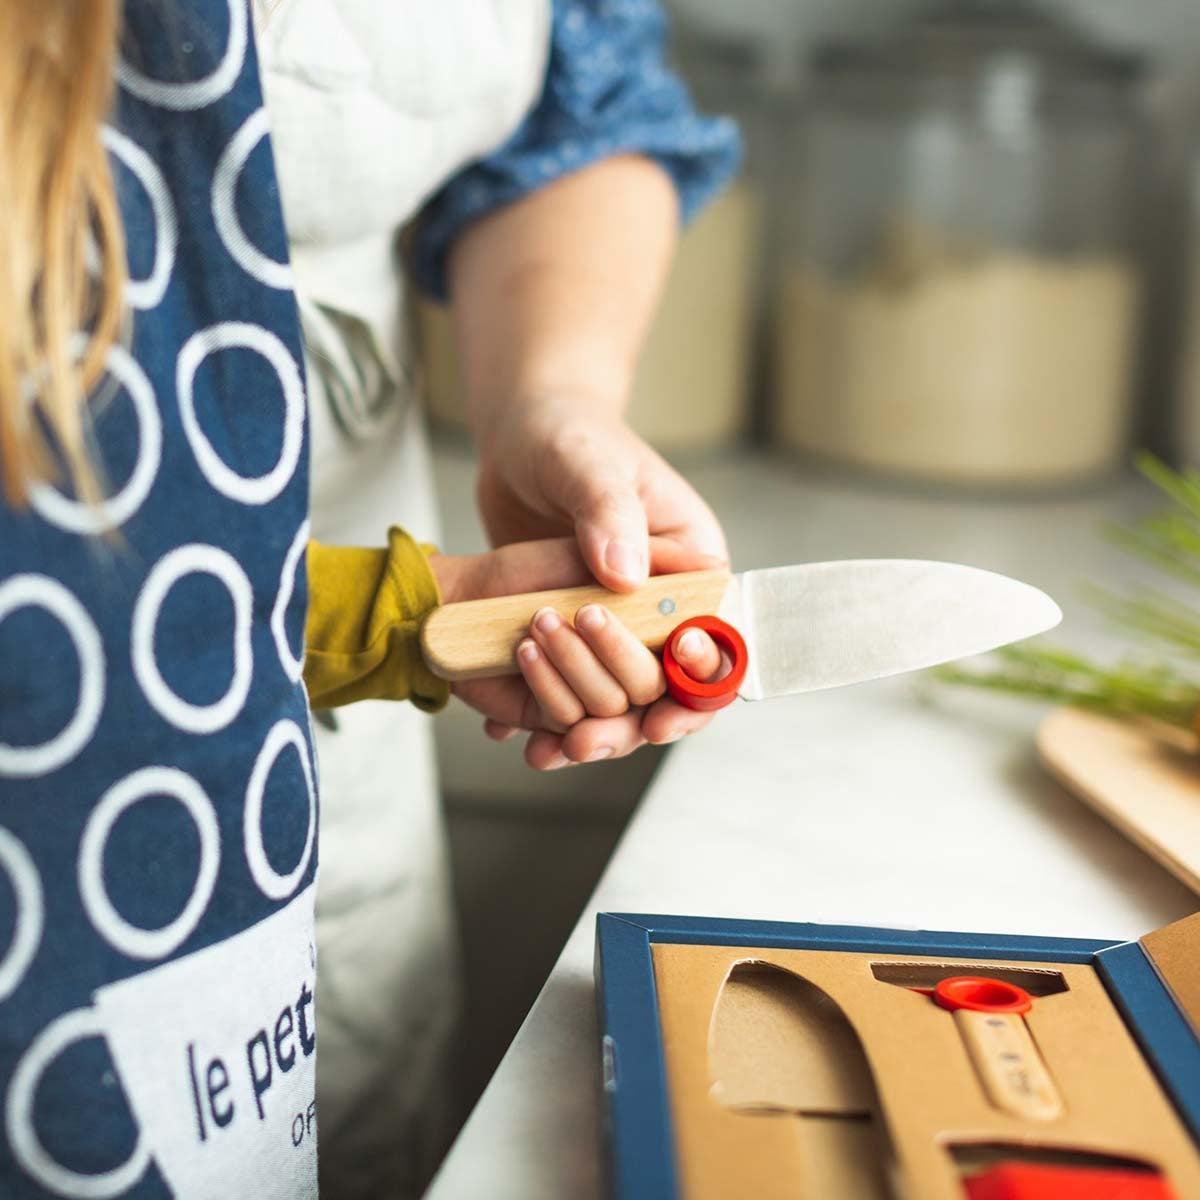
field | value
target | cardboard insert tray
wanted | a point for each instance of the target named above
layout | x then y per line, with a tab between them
770	1060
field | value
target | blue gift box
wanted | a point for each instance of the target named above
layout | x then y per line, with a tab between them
1152	983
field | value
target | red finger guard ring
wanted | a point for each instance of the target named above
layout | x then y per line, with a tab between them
717	693
981	995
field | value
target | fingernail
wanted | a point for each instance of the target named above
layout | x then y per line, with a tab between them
557	763
547	621
671	737
624	559
590	618
689	644
601	753
527	651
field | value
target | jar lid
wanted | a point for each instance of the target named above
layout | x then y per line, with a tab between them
961	38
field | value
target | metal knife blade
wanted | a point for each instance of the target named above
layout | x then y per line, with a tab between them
823	625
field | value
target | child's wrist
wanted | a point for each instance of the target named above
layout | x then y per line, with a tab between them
456	576
417	592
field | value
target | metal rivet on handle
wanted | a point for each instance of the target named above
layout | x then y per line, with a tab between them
666	607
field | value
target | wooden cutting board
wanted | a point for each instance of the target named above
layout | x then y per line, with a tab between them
1144	779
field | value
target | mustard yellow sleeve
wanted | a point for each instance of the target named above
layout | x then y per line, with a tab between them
365	608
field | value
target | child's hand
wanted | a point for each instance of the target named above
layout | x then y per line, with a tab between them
587	692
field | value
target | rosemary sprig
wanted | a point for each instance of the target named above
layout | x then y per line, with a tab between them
1048	674
1166	541
1153	614
1169	541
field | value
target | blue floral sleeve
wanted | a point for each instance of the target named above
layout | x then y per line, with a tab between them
607	91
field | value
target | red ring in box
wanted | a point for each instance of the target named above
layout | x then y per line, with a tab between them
977	994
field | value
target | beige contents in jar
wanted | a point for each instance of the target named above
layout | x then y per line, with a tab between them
953	362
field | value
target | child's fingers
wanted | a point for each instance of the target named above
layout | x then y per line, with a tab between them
697	654
543	751
601	695
667	721
558	699
506	701
546	701
600	738
634	667
498	731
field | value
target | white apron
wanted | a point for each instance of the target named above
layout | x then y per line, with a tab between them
373	106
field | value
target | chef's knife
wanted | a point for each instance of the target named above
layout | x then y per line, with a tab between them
784	629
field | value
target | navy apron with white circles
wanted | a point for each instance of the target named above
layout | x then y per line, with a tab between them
158	803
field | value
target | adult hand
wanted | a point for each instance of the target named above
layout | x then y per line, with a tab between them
560	466
554	468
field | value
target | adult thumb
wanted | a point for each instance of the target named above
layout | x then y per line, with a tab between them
610	526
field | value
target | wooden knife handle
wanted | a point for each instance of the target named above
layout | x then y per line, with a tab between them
478	638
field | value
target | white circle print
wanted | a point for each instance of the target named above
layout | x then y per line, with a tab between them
76	516
75	1026
242	250
146	293
40	591
31	913
194	93
131	939
275	886
293	667
258	489
193	559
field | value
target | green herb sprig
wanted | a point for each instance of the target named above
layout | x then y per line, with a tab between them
1170	542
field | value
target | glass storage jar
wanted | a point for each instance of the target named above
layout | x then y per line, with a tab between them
958	297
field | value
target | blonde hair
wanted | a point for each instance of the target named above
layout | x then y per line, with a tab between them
56	70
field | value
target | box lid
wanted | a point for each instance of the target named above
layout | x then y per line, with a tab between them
1175	952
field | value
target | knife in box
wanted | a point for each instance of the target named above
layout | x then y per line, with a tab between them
783	629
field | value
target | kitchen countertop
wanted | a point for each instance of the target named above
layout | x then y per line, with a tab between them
893	803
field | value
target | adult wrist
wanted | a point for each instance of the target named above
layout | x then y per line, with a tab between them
540	416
